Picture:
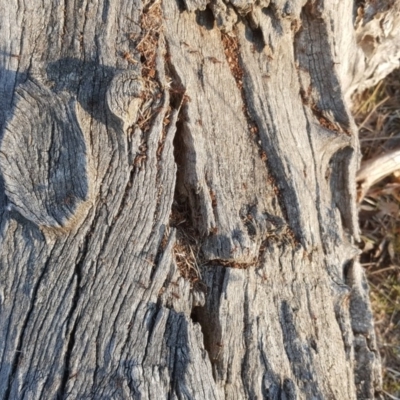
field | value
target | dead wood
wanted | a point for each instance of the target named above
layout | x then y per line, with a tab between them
178	213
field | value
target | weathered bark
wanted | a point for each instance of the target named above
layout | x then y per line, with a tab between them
178	213
378	45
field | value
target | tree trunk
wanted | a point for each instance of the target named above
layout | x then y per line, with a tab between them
178	203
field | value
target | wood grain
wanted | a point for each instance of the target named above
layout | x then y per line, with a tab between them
115	117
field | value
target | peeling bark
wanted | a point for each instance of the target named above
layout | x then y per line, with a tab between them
378	45
178	203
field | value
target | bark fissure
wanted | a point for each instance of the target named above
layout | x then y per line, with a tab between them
67	372
19	353
298	354
151	324
248	344
70	337
209	319
317	182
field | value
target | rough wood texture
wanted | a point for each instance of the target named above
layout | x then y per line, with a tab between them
377	54
115	118
48	180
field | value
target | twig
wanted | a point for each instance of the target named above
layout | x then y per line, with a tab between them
380	270
152	5
372	111
369	98
393	371
377	138
390	396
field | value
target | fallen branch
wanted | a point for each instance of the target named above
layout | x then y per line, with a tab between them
374	170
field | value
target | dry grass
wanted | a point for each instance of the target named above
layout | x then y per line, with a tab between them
151	23
187	250
377	113
187	247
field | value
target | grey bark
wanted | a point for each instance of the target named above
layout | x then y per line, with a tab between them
178	203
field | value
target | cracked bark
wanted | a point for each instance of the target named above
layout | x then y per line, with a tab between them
114	119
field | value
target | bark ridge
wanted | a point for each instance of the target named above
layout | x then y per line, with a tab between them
178	217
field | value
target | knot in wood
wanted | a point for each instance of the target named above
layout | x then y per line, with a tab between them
124	96
44	157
